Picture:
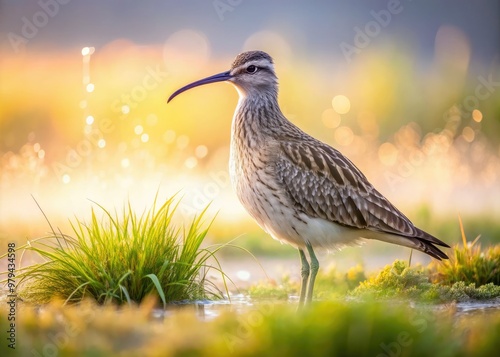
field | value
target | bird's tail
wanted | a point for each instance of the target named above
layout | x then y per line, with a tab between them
421	241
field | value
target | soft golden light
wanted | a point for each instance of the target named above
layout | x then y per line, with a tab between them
87	51
477	115
186	52
138	129
182	142
388	154
367	121
125	163
169	136
344	135
66	179
191	162
468	134
330	118
341	104
152	119
201	151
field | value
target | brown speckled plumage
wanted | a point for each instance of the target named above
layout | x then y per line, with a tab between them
299	189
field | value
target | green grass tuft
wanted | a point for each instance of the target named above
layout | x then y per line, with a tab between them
468	263
121	258
470	273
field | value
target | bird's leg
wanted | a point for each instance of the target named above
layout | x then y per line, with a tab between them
314	270
304	273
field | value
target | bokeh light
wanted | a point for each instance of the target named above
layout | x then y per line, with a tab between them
201	151
138	129
182	142
271	42
330	118
344	135
88	51
125	109
477	115
406	110
169	136
191	162
125	163
388	154
341	104
185	52
101	143
468	134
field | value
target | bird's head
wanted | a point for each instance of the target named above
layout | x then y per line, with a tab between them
251	73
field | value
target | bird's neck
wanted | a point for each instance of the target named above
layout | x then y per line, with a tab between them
257	117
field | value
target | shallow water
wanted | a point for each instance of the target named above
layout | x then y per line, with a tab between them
207	310
475	307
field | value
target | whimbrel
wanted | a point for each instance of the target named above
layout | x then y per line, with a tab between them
297	188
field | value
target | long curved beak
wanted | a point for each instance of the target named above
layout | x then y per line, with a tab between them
224	76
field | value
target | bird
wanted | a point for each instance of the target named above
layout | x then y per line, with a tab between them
299	189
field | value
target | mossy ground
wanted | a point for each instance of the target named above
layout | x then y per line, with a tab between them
395	281
470	273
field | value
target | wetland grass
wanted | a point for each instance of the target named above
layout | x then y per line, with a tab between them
121	258
468	263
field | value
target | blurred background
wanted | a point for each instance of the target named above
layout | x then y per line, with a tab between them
408	90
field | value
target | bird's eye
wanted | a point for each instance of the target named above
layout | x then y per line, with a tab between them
252	69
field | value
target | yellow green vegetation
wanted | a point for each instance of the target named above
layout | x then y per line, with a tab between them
268	329
471	273
397	280
469	263
400	281
121	258
330	284
117	268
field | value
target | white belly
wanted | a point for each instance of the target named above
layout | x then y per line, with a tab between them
271	208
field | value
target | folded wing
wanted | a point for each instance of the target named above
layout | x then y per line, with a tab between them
322	183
